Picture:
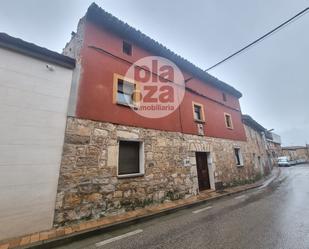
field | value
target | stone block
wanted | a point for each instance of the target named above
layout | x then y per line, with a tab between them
71	200
59	200
158	196
95	197
107	188
100	133
161	142
93	151
118	194
112	156
127	135
87	162
127	193
76	139
69	150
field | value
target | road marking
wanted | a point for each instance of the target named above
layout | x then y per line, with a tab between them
240	197
201	210
104	242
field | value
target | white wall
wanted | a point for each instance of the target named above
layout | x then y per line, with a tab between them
276	138
33	110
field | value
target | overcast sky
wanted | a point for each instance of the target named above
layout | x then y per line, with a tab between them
273	75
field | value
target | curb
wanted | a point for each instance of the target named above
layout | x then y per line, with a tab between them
49	244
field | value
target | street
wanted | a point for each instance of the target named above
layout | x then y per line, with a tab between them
276	216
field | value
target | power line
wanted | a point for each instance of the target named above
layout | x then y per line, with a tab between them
273	31
281	26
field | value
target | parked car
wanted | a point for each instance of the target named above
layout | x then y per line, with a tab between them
301	161
293	162
284	161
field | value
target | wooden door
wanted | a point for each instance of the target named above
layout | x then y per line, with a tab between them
202	170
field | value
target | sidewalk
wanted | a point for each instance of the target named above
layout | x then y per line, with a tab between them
53	237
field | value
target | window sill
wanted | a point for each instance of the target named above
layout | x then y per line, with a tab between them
130	175
199	121
127	105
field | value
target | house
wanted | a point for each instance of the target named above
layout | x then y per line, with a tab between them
34	93
296	153
116	159
273	147
257	145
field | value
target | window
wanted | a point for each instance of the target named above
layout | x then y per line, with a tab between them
198	112
125	91
224	97
130	161
127	48
228	121
238	157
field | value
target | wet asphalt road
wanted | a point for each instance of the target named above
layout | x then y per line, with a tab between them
273	217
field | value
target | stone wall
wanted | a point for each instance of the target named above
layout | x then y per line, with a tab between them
297	153
274	151
88	184
257	151
73	49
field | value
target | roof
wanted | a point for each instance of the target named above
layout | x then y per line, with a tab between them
110	22
294	147
30	49
252	123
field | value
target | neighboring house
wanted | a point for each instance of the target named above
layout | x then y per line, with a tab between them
297	153
257	145
34	92
115	160
274	149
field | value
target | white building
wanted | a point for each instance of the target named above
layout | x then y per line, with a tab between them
34	91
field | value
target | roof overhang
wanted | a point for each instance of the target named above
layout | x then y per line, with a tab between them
248	120
32	50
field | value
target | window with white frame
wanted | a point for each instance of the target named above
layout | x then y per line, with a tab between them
130	160
238	157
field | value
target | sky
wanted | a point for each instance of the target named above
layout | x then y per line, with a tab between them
273	75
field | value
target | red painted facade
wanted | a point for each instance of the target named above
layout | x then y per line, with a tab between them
95	94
